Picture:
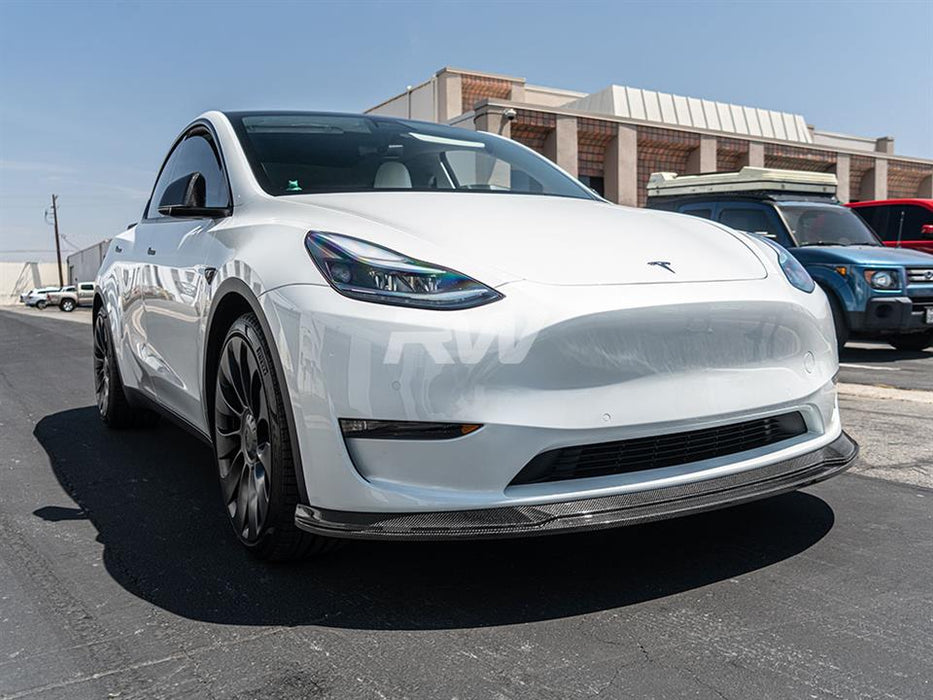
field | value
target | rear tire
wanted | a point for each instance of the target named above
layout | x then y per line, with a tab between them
67	305
252	448
41	304
912	341
114	410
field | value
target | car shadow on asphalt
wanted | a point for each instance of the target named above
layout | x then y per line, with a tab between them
882	353
153	498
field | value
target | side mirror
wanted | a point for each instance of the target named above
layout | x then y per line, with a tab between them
926	231
186	197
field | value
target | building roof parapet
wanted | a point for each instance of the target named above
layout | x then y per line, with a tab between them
500	104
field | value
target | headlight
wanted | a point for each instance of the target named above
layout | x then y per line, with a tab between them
795	273
369	272
882	279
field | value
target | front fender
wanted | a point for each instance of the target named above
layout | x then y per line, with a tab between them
232	297
832	282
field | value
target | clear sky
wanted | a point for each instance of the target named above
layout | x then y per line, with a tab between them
92	93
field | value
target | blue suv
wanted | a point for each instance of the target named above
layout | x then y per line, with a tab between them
875	292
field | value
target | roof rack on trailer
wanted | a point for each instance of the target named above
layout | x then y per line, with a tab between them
748	179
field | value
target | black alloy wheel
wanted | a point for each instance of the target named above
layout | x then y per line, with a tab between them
251	441
112	405
103	361
244	449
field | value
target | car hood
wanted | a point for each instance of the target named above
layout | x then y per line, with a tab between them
553	240
861	255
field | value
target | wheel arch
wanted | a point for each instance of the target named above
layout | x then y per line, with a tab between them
97	305
232	299
834	283
834	297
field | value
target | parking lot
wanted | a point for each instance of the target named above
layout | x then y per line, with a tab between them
118	577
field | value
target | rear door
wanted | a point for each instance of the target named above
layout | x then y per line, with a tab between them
175	300
85	293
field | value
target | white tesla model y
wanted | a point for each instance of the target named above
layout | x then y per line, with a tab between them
392	329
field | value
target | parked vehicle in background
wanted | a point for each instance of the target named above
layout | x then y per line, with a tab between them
70	297
55	297
875	292
900	223
39	298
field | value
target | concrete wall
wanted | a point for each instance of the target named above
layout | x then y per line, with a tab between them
418	103
83	265
550	97
19	277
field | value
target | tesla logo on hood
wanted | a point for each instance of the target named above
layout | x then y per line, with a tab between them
665	265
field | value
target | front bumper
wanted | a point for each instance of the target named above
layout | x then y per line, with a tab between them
894	315
542	369
587	514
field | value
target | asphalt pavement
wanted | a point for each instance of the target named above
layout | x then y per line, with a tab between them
880	364
119	578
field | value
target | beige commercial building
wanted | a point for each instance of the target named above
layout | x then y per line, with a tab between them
84	264
615	138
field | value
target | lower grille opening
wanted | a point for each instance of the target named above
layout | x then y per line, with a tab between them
639	454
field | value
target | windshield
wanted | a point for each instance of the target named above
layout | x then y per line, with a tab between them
826	224
312	153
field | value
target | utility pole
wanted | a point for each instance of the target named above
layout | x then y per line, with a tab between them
58	245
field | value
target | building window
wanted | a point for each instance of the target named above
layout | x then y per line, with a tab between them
595	183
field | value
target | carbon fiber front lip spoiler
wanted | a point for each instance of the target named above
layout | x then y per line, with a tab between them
591	513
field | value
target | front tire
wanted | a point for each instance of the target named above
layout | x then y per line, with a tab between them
839	321
915	342
67	305
253	450
112	406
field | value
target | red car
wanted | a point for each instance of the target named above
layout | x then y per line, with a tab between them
900	223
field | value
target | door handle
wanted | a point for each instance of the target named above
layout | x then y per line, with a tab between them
151	251
118	249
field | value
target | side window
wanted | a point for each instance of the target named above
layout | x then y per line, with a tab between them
195	154
752	220
914	219
869	216
704	212
87	287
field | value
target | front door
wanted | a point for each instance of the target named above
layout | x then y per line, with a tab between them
175	304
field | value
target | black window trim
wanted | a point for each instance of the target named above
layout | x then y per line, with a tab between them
199	127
